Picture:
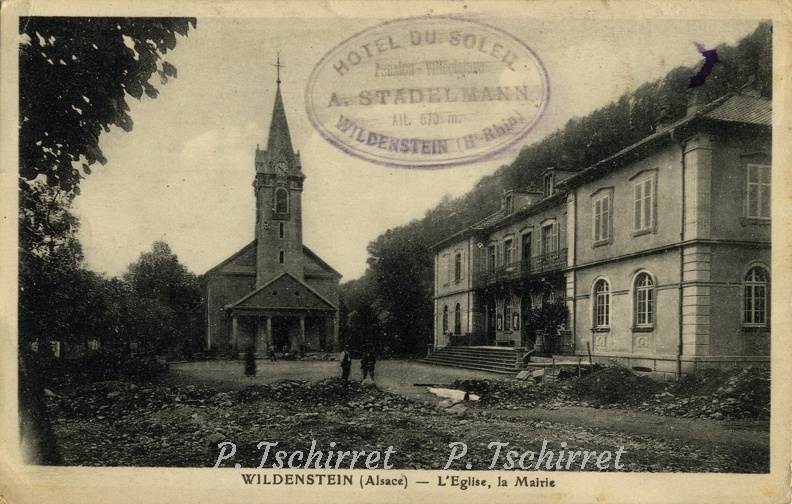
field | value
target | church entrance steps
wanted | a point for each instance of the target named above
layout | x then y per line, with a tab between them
491	359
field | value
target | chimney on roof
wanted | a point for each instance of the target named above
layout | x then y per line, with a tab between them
695	101
664	119
533	194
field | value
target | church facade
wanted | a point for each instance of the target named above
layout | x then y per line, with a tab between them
274	291
659	257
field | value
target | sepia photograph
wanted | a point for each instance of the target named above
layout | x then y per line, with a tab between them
363	251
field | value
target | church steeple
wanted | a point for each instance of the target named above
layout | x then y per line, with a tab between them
278	187
279	144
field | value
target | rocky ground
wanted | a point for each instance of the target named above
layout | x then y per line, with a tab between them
163	424
737	394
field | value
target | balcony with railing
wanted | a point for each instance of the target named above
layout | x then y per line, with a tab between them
543	263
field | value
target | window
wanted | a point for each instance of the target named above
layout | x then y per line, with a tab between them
491	254
507	308
643	205
755	297
281	231
457	267
509	204
550	238
548	184
281	257
281	201
526	246
601	304
758	196
445	318
508	250
458	319
644	300
602	217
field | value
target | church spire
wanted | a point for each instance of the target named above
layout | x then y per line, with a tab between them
279	145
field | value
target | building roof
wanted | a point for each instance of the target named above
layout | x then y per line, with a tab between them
743	109
490	220
244	262
734	108
279	143
319	261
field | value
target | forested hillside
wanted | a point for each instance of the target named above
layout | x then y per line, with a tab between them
390	306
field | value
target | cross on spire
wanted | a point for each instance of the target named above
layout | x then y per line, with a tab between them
278	66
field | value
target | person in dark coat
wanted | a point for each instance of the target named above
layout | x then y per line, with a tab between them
250	363
346	363
367	364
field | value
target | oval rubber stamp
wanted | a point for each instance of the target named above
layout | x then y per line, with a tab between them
427	92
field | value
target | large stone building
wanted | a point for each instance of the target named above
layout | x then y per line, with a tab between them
660	253
275	291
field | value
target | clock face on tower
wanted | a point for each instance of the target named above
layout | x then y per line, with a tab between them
281	168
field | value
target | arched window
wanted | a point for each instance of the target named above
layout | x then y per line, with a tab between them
644	300
458	319
755	297
445	318
281	201
601	304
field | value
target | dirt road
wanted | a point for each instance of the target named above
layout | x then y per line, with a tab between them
401	376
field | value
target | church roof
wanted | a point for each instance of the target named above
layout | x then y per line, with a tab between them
243	262
309	254
279	144
283	293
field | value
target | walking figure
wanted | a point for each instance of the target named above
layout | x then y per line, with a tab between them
346	363
250	363
272	353
367	364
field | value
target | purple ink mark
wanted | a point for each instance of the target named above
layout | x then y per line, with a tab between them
710	58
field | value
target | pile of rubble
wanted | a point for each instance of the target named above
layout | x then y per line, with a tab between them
737	394
613	385
717	394
118	424
509	394
116	399
326	393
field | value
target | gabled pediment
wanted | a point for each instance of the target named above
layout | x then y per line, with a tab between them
283	293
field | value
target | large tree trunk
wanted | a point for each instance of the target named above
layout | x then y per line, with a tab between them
36	437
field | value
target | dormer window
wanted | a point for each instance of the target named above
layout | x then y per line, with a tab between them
508	204
549	184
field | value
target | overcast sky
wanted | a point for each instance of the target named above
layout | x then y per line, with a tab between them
184	173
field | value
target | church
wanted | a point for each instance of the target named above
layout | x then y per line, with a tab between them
274	291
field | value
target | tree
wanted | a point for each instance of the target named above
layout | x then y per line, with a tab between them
165	300
75	74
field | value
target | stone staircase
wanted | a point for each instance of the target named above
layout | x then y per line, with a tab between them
481	358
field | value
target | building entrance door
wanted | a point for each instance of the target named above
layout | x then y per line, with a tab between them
491	323
280	333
